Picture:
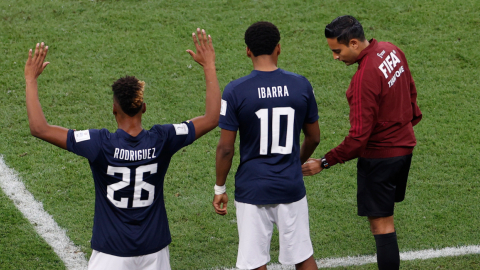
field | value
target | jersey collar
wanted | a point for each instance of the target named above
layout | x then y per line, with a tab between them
121	133
373	44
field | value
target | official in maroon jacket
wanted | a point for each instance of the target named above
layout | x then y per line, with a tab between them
383	110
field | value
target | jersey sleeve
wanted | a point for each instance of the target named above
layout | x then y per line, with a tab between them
85	143
417	114
312	109
178	135
228	117
363	102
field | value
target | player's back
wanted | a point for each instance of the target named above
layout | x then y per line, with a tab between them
130	217
269	109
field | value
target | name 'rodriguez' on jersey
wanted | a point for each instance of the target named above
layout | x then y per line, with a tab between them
269	109
128	172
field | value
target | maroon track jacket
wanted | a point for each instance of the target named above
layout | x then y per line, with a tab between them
383	107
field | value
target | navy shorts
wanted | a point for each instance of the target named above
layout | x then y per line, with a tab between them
380	183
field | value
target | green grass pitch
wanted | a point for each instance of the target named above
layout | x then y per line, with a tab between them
92	43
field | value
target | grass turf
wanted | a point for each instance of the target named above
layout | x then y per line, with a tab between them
92	43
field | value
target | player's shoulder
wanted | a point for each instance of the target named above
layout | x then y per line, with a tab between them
177	128
231	86
91	134
295	77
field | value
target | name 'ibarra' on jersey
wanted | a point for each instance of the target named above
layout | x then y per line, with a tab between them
273	92
134	155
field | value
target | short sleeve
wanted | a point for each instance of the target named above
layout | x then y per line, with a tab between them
312	109
85	143
228	117
178	135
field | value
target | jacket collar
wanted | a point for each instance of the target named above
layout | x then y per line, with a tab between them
372	46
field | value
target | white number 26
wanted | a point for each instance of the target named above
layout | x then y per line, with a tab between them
139	185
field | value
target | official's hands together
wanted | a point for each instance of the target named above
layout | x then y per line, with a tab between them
311	167
218	200
205	55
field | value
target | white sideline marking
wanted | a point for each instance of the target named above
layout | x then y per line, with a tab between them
43	223
404	256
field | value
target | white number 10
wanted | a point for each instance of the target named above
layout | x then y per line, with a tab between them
276	113
139	185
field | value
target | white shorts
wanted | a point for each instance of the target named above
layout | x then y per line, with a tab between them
156	261
255	228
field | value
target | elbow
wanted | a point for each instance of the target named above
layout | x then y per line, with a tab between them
35	132
313	141
213	121
225	152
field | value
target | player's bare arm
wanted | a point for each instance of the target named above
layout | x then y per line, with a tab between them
311	141
205	56
38	124
224	156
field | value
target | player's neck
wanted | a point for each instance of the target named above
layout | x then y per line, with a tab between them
363	45
264	63
131	125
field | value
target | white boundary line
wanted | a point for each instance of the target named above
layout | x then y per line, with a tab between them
404	256
43	223
74	259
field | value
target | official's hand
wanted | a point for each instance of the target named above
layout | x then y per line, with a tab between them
218	200
205	55
35	65
311	167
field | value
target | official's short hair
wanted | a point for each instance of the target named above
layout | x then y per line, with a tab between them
262	38
344	28
128	92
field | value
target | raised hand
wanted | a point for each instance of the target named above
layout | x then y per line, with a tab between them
311	167
35	64
205	54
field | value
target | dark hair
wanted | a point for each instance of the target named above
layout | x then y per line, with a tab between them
262	37
344	28
128	92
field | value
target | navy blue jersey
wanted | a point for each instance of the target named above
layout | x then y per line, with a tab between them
269	109
130	217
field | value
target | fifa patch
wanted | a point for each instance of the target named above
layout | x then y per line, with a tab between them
223	108
181	129
82	135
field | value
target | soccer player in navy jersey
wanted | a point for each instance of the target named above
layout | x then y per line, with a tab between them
130	228
383	110
269	107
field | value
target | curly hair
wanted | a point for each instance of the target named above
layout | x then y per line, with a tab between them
128	92
262	37
344	28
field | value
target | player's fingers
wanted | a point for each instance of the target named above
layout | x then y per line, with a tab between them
35	55
221	211
45	52
191	53
45	65
195	41
200	37
204	37
210	44
29	55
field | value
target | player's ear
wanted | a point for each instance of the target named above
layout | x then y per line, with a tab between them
353	43
144	107
278	49
249	53
114	109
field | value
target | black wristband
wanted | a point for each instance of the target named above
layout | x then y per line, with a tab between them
324	164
